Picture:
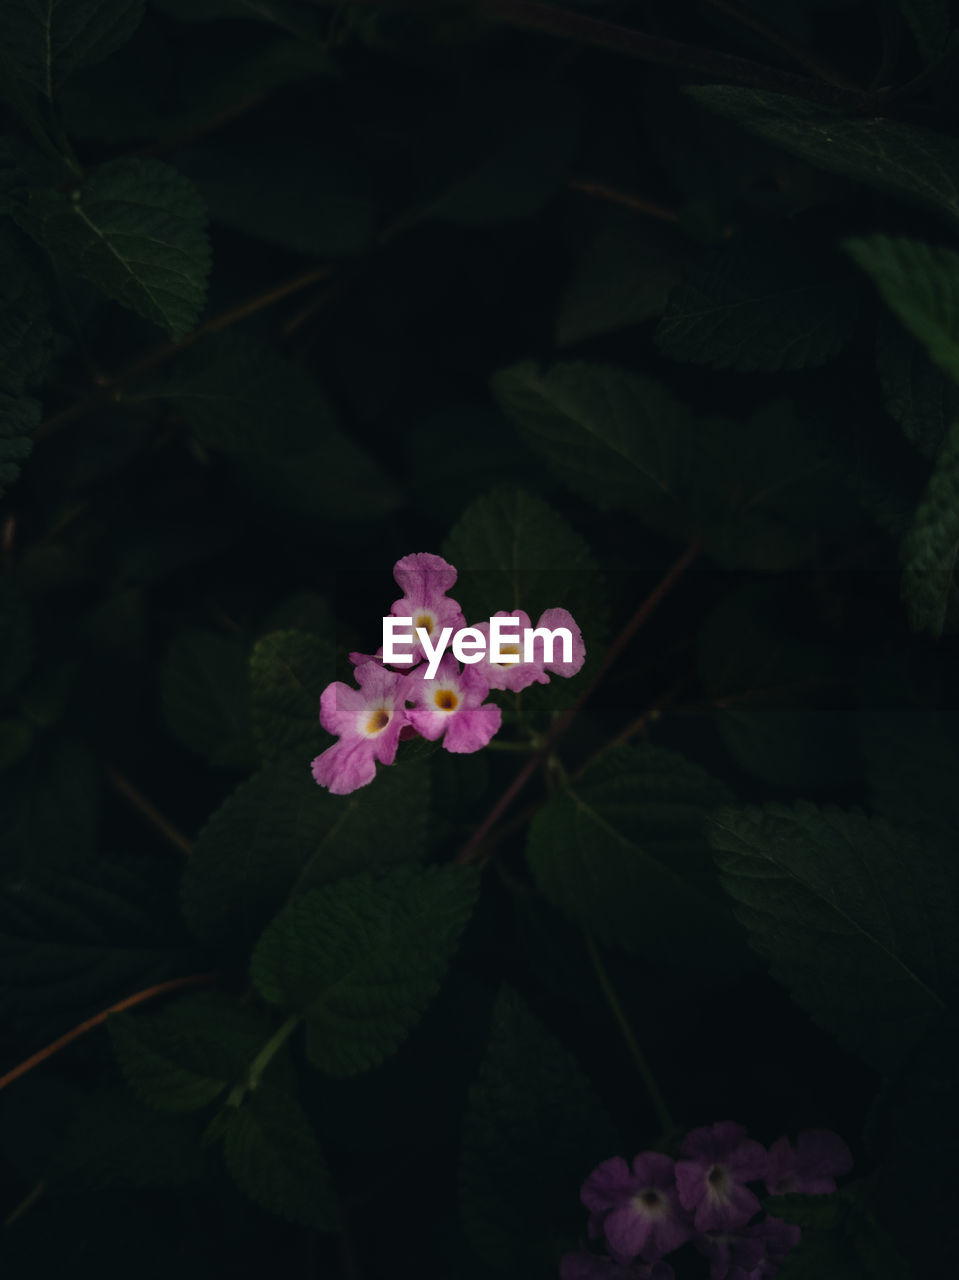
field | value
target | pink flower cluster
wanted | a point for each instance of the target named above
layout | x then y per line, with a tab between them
388	705
643	1212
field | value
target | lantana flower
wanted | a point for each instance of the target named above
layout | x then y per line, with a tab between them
452	706
584	1265
424	579
640	1206
811	1167
520	675
753	1253
720	1160
367	722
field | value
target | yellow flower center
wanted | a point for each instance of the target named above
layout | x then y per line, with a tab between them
508	648
378	721
426	622
446	699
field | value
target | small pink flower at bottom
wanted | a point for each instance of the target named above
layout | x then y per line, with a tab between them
451	706
720	1160
367	721
584	1265
811	1167
642	1214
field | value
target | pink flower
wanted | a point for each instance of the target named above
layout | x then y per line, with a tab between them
640	1206
819	1157
424	579
519	675
367	722
452	707
721	1159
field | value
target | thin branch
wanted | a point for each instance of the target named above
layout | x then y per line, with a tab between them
130	1002
669	579
25	1205
638	204
152	814
109	386
568	24
779	39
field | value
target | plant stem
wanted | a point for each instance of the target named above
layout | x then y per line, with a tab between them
25	1205
649	1080
649	605
130	1002
638	204
263	1059
149	811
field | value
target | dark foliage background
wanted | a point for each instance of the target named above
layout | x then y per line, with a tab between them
579	296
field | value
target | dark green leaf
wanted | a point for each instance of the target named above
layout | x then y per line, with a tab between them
115	1142
930	548
26	337
18	419
273	1156
917	393
74	942
514	551
288	672
313	203
280	833
137	230
363	958
623	278
921	284
623	853
930	22
763	303
16	636
774	693
49	807
183	1057
853	916
916	164
205	686
534	1130
45	40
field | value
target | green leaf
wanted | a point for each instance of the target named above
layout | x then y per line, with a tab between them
514	551
26	337
500	154
920	166
920	282
623	278
534	1128
183	1057
853	916
44	40
49	807
773	693
763	303
930	548
279	833
18	419
917	393
240	397
205	688
363	958
930	22
75	941
288	672
623	853
265	190
16	636
115	1142
273	1156
759	492
137	230
16	739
